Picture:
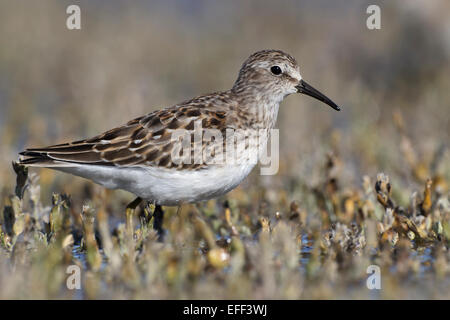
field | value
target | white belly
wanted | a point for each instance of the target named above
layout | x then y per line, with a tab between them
164	186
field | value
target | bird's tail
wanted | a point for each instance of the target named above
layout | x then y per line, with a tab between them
38	159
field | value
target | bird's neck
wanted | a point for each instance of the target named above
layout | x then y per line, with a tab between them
259	107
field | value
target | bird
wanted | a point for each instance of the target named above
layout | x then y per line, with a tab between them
141	157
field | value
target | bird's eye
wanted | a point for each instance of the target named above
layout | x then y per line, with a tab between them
276	70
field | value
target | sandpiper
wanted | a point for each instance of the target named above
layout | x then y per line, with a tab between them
138	156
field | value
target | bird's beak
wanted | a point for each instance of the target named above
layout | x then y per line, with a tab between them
305	88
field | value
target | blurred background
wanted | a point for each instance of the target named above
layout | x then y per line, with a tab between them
133	57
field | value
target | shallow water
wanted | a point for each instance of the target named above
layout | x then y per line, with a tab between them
414	281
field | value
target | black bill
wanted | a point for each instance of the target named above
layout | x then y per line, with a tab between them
305	88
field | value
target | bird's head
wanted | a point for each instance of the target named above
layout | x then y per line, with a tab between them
277	74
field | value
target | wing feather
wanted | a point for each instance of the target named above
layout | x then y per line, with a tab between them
142	141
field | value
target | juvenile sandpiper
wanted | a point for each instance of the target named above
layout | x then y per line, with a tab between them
139	156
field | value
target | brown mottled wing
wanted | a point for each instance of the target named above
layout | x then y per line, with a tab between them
142	141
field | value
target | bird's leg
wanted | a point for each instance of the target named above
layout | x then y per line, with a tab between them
158	216
130	211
